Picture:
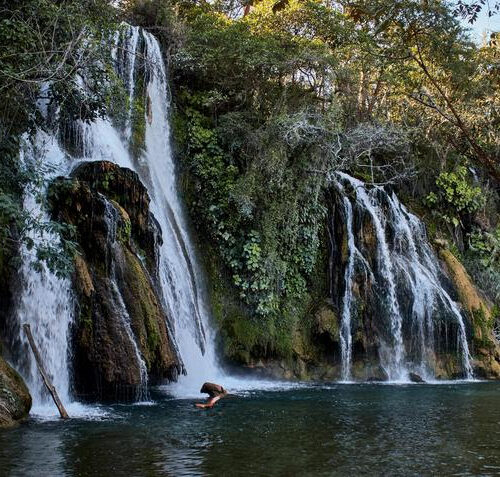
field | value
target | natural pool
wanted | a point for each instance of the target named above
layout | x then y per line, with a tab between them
365	429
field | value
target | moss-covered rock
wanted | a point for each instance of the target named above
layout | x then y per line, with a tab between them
123	188
147	315
327	323
15	399
480	311
122	323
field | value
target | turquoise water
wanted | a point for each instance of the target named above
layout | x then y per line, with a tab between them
366	429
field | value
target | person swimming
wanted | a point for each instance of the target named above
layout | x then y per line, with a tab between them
214	391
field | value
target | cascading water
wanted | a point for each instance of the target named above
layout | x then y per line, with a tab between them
138	59
345	325
405	271
46	301
111	217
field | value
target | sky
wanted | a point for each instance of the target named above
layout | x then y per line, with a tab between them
482	24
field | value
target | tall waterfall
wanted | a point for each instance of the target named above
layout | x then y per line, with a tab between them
46	301
406	280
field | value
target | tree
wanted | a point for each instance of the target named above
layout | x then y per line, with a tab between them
470	10
45	46
432	64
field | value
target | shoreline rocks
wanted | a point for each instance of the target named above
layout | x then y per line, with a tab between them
15	399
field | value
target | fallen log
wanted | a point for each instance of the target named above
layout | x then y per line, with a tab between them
45	377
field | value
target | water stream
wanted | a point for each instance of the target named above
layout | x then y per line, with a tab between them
406	270
46	301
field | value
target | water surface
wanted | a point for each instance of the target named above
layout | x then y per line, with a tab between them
366	429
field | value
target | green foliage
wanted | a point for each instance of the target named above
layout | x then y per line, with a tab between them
258	123
46	47
455	196
487	246
483	326
138	137
47	43
483	261
20	226
267	237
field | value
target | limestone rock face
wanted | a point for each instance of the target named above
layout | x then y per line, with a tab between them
400	297
15	399
487	348
120	332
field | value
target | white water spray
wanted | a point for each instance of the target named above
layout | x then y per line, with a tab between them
45	301
411	261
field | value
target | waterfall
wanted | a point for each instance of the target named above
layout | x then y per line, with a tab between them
407	280
46	302
345	324
138	58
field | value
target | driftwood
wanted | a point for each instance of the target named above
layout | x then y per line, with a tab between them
45	377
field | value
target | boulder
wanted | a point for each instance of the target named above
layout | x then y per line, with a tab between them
122	325
15	399
415	378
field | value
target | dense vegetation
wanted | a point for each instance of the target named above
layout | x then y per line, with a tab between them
270	98
45	45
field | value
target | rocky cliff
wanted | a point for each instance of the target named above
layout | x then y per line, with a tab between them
121	340
15	399
397	278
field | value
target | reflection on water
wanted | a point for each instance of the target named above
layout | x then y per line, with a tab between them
343	429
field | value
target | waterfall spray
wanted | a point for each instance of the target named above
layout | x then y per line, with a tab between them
405	262
46	302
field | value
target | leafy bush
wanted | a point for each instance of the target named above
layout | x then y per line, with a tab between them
455	198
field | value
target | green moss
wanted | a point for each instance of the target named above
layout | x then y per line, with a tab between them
117	100
144	309
124	231
482	328
247	337
138	120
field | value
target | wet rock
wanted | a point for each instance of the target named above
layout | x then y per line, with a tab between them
486	363
15	399
378	375
327	323
123	187
121	330
415	378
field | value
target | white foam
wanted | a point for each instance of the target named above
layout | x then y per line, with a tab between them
75	410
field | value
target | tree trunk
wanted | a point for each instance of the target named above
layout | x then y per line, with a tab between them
45	377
